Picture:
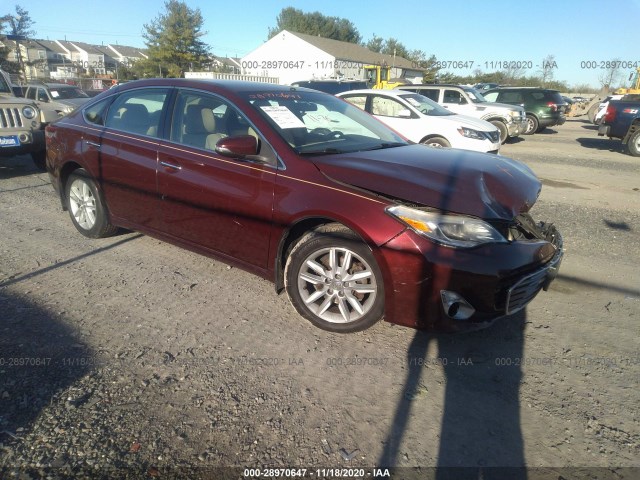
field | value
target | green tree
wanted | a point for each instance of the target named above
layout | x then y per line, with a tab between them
18	25
315	23
174	42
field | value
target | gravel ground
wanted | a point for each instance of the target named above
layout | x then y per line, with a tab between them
127	357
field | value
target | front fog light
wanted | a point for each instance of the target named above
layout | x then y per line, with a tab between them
455	306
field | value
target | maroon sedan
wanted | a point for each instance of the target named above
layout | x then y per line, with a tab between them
311	193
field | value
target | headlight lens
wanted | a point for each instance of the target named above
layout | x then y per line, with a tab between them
29	112
68	109
449	230
470	133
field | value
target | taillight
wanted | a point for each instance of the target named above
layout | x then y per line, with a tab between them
552	106
610	114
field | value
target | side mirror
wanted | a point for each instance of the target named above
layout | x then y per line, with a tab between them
238	147
405	113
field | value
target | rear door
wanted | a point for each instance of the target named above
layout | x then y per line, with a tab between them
209	200
129	156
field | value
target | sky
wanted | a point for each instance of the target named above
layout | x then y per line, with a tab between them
582	35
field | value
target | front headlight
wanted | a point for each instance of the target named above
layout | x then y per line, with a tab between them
68	109
470	133
29	112
448	230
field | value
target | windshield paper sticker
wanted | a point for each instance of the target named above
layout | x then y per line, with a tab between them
283	117
54	94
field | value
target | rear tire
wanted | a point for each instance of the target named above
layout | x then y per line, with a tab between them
532	125
633	144
87	209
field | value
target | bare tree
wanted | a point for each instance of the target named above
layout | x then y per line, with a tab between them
612	75
547	68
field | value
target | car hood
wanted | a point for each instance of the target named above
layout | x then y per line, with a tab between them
482	185
466	121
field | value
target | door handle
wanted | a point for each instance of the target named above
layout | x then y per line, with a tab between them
170	165
93	144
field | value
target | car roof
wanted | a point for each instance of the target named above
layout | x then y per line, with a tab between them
229	86
392	93
420	85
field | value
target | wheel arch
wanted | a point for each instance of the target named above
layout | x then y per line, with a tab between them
65	172
294	233
434	135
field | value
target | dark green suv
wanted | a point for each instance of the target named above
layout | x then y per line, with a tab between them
544	107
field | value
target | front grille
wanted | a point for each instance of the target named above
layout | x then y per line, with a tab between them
10	118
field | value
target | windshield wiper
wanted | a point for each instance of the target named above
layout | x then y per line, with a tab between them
326	151
385	145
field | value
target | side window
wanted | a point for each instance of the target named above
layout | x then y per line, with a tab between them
429	93
31	93
491	97
386	107
453	96
511	97
42	95
138	111
359	101
95	113
201	120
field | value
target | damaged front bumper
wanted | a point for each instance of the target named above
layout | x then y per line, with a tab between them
445	289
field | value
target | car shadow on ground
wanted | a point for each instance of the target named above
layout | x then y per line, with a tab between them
547	131
40	357
480	430
601	144
20	166
590	127
514	140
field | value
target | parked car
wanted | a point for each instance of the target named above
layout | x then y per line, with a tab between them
510	120
622	120
422	120
312	193
485	86
55	99
568	103
332	86
580	99
20	128
544	107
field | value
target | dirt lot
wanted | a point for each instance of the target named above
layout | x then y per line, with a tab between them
130	357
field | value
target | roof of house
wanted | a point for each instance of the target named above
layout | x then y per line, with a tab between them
52	45
353	52
126	51
86	47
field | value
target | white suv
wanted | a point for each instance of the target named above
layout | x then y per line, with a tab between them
510	120
421	120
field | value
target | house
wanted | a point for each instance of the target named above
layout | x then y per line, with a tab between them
293	56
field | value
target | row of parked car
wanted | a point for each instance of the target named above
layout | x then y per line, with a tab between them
460	116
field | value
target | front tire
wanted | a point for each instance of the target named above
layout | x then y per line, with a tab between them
333	280
436	142
86	207
532	125
502	128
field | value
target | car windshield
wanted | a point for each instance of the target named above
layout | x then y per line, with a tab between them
66	93
425	105
315	123
475	95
